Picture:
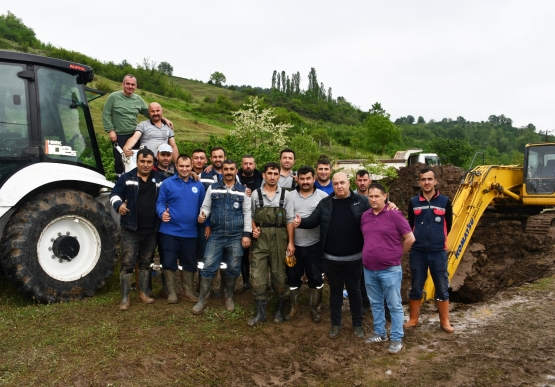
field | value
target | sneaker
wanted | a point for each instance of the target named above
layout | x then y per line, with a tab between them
395	346
375	338
334	332
359	333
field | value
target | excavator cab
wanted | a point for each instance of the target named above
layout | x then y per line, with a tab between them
539	167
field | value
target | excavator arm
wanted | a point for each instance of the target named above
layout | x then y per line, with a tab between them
480	187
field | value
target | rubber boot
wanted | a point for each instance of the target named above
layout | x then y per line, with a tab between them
149	286
261	306
414	313
170	280
443	309
164	292
278	317
229	285
187	290
294	301
220	293
315	300
205	286
144	277
125	281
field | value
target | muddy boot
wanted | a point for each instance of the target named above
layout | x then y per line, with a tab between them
125	280
229	285
278	317
260	316
294	301
187	289
443	309
143	287
164	292
315	299
205	285
170	280
149	286
414	313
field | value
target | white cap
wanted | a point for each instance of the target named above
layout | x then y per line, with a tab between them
165	148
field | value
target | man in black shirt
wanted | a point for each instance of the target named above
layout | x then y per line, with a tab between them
134	198
251	178
339	218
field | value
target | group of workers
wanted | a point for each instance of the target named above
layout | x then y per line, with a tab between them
270	228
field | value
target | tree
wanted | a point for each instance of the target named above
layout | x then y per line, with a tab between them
274	79
254	125
410	119
381	131
455	151
421	120
166	68
218	78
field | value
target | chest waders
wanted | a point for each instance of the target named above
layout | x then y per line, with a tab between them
268	252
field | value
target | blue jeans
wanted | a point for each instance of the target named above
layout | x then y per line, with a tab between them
386	284
218	247
178	248
436	261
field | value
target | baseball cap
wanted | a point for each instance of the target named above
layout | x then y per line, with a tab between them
165	148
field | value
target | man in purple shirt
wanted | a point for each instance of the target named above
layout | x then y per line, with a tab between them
387	235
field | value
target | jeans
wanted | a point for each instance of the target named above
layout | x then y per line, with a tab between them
309	260
344	274
135	247
179	248
219	246
386	284
436	261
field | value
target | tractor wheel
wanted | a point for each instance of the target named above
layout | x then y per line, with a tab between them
60	246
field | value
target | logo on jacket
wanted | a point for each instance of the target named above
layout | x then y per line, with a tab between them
235	205
194	189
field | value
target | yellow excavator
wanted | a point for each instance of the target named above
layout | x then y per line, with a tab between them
525	191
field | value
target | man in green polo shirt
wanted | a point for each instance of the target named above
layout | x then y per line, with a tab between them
119	116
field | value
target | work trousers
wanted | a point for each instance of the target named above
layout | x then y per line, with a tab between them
136	247
344	274
179	249
309	261
420	262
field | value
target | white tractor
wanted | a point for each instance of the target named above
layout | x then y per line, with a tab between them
59	240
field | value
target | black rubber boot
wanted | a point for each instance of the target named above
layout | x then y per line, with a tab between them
170	280
229	285
294	301
205	285
261	306
278	317
144	278
315	299
125	281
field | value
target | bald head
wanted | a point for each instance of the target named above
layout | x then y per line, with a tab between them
155	112
340	183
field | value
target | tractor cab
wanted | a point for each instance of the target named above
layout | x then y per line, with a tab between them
44	115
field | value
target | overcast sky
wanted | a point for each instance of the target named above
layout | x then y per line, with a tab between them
434	59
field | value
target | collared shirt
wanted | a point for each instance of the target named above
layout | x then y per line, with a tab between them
274	202
287	182
152	136
304	206
383	238
326	188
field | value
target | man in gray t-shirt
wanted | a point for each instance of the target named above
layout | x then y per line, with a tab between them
152	133
308	250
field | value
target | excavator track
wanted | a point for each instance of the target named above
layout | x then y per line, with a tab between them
540	224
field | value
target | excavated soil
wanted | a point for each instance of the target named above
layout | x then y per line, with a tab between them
500	253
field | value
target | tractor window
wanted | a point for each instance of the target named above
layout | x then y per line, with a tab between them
62	104
14	121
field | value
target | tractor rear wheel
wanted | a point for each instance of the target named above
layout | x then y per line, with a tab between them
60	246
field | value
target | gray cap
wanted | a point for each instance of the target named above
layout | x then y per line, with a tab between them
165	148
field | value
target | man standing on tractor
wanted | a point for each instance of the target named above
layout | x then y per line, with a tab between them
229	209
152	133
273	234
430	217
119	116
134	198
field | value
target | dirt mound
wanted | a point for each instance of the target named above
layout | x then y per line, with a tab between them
500	253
